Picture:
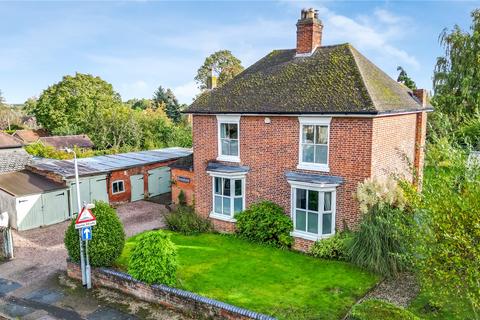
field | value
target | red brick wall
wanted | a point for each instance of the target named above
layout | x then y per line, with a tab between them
178	186
420	137
125	176
393	147
272	149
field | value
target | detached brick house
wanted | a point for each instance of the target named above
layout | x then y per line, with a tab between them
302	128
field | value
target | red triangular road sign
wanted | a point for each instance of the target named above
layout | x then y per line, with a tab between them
85	219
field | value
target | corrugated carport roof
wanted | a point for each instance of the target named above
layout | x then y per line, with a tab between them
24	183
103	164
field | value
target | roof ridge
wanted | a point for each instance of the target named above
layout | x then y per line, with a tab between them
362	78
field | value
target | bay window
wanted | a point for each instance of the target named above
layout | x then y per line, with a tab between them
228	197
313	212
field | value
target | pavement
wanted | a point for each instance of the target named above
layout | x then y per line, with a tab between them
34	284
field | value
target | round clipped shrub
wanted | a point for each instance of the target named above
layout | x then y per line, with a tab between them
374	309
265	222
108	237
154	259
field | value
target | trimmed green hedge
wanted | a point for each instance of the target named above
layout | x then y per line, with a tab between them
108	237
374	309
154	259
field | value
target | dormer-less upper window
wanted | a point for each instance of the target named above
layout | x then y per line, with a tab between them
314	143
228	138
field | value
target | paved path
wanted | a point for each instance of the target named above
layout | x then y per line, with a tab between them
34	285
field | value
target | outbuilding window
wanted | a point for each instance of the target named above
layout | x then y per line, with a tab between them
118	186
228	138
314	143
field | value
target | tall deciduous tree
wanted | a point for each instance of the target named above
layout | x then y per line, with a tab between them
167	100
72	105
405	79
456	80
223	63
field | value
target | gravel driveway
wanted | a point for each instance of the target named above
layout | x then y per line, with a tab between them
40	255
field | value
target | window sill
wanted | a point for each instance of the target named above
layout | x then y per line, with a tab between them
313	167
228	158
222	217
309	236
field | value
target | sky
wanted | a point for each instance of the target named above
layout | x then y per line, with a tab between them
139	45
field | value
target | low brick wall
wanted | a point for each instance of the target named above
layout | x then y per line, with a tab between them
183	301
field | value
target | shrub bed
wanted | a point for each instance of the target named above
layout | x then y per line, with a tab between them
334	248
265	222
186	221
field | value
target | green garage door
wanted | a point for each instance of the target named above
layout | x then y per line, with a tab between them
42	210
91	189
137	187
55	207
158	181
29	212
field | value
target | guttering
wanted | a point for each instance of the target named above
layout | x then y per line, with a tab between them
367	114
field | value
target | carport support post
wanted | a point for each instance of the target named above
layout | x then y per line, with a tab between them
79	205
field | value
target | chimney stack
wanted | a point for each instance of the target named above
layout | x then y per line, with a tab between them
211	81
421	94
309	32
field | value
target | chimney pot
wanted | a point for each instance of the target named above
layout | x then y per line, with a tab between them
309	31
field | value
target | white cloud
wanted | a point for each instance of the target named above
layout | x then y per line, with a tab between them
186	92
374	34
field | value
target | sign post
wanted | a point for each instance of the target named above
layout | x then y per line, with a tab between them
84	223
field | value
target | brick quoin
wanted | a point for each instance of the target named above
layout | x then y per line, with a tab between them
359	148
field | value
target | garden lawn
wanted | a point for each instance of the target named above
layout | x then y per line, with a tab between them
281	283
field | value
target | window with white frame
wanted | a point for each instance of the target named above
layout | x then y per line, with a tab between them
314	141
118	186
229	138
228	196
313	212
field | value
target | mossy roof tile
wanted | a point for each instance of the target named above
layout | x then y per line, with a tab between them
334	79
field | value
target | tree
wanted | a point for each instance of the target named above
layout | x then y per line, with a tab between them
2	99
405	79
446	241
72	105
223	63
167	100
456	80
29	105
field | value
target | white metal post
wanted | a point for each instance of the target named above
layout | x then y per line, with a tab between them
79	205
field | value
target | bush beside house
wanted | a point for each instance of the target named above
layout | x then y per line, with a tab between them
267	223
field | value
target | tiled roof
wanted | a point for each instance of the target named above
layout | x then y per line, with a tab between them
30	136
7	141
14	159
223	168
183	163
334	79
61	142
